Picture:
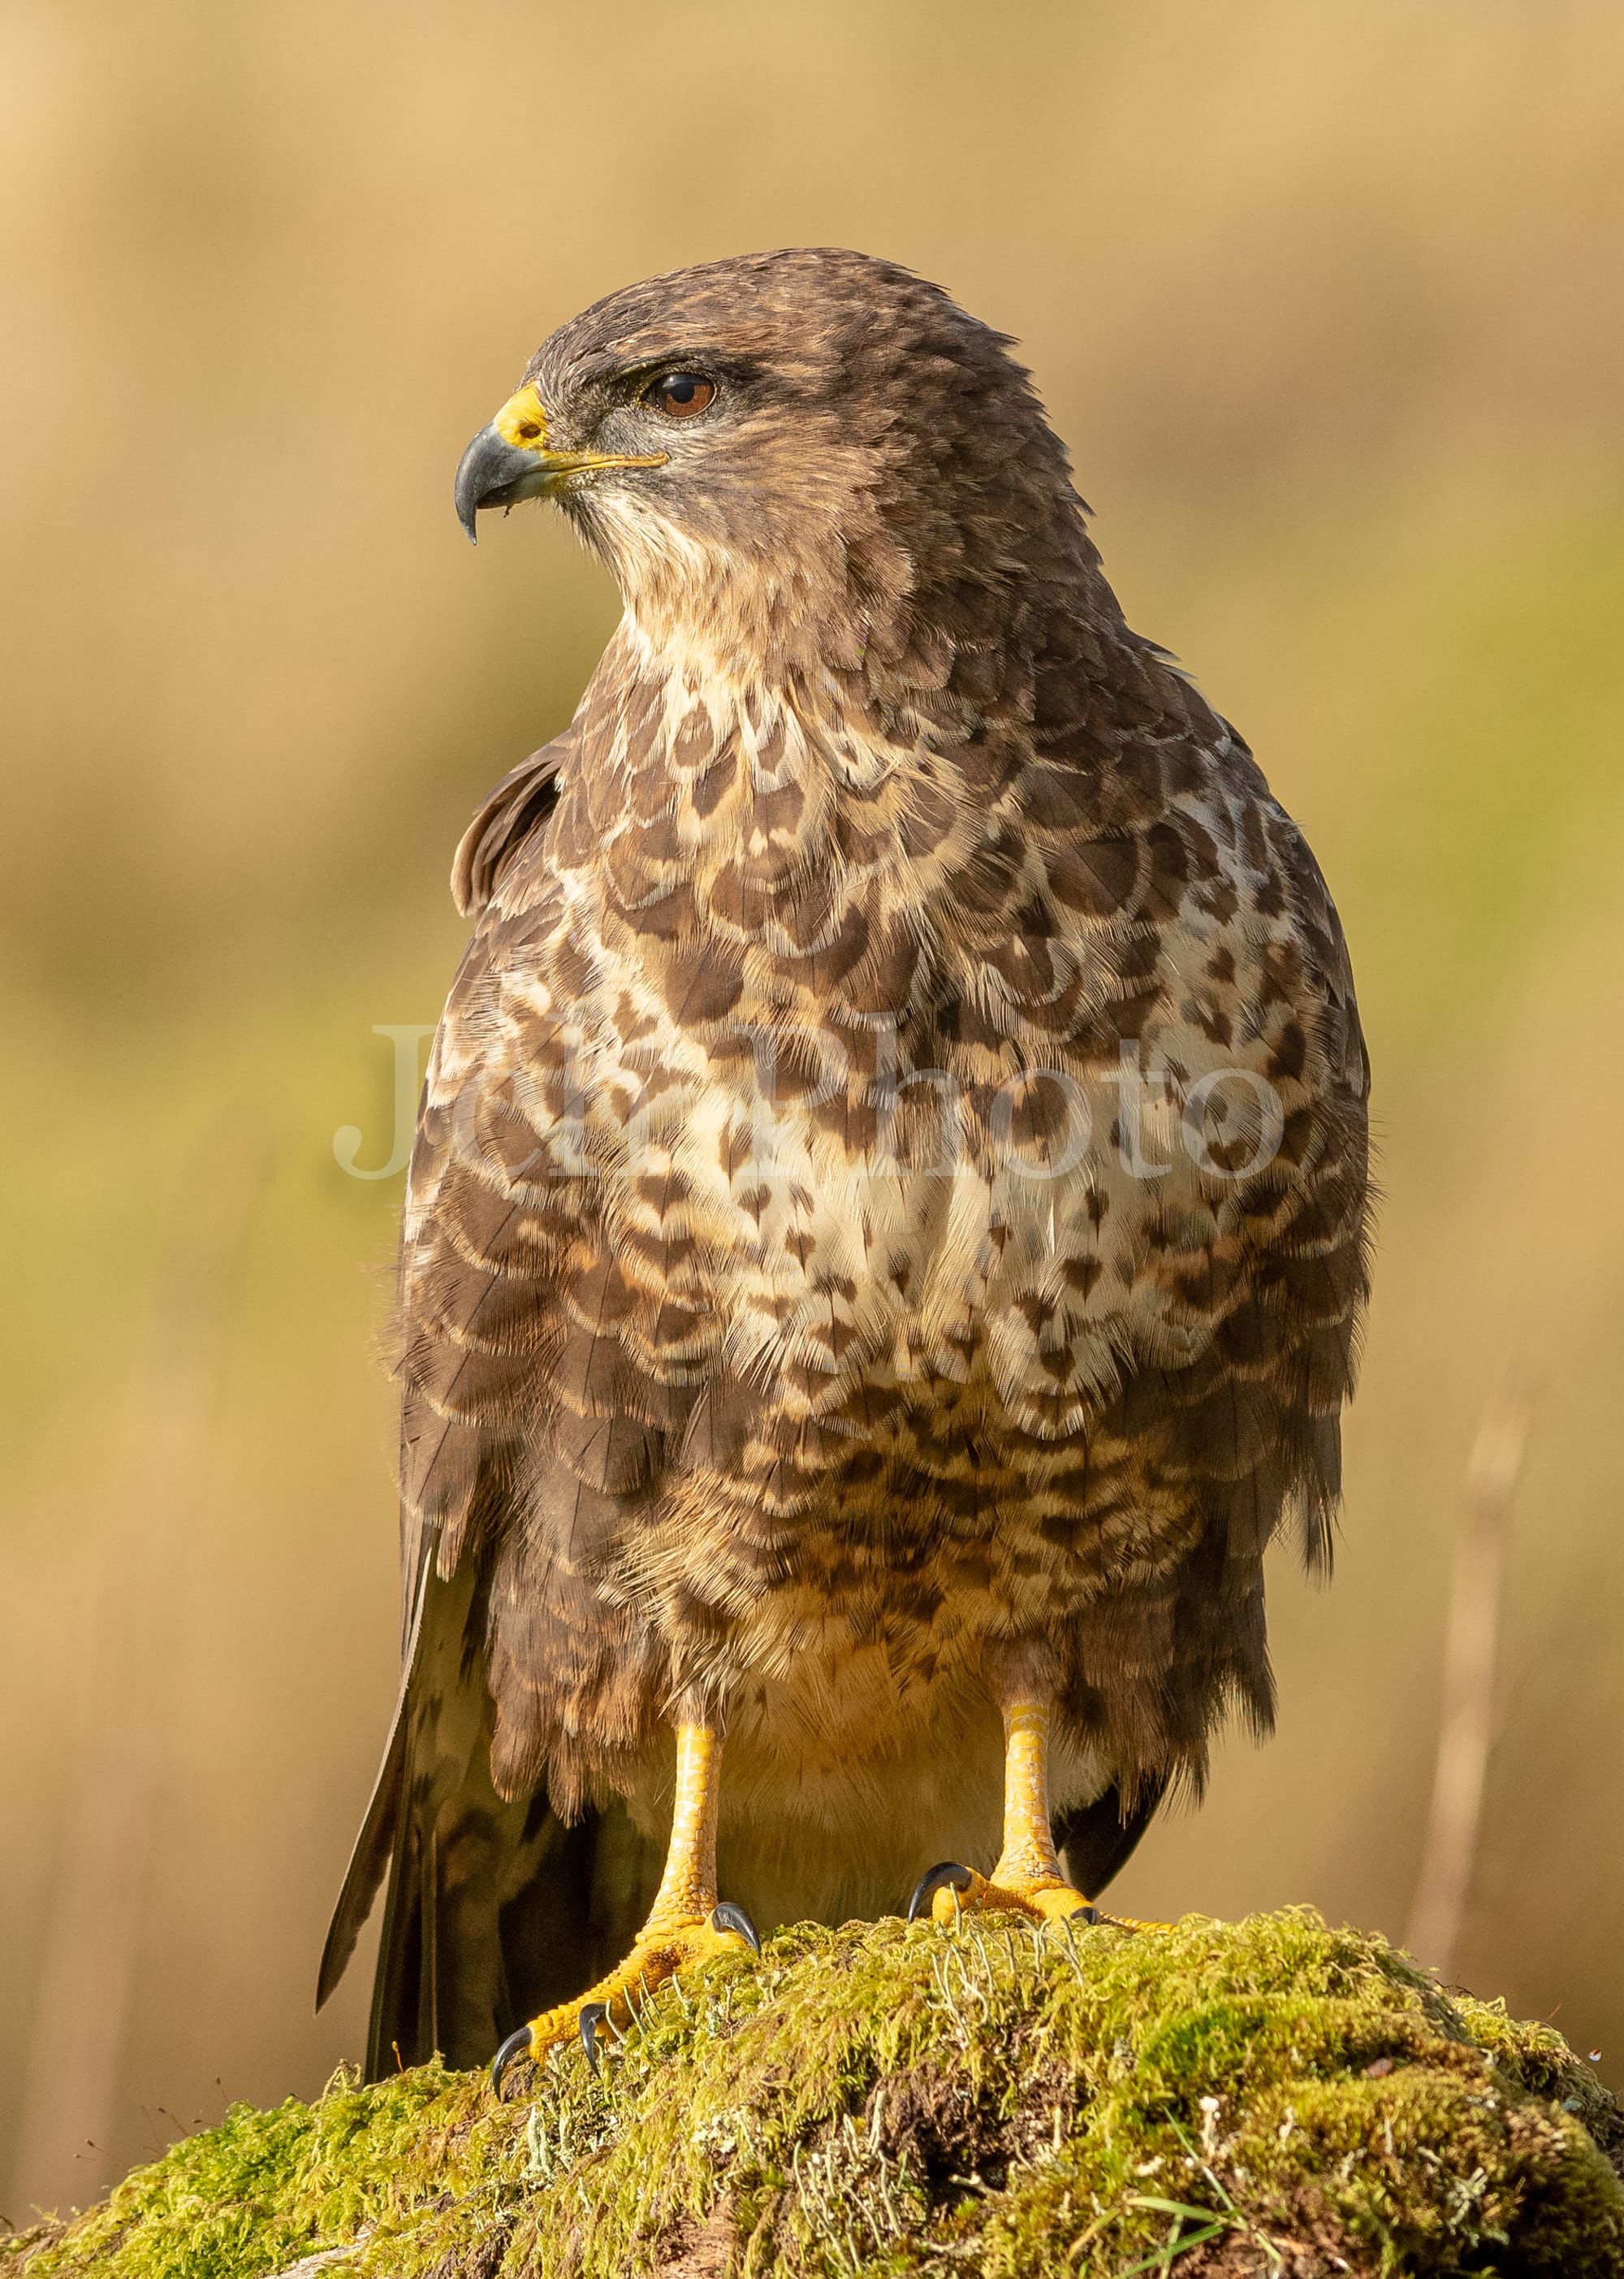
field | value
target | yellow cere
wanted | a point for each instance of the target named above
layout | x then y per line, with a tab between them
521	422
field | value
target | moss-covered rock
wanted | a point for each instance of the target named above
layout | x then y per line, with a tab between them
1269	2096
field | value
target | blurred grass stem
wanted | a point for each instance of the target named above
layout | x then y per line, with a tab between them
1467	1732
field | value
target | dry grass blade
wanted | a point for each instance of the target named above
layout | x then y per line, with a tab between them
1465	1733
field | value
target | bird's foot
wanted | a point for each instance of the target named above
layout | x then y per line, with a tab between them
661	1950
950	1890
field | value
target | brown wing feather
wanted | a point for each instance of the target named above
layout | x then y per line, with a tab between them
520	803
494	1908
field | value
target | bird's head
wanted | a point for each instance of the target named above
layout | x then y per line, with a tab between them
807	436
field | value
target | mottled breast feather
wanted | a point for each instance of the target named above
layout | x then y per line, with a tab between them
891	1183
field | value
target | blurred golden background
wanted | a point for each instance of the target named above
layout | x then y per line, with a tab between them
1329	301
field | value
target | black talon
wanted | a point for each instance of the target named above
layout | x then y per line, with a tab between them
1089	1914
730	1916
946	1872
591	2018
518	2045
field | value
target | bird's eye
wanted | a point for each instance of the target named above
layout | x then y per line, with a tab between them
681	395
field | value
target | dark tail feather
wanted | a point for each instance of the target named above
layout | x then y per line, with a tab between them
380	1828
1097	1841
495	1915
368	1864
370	1856
494	1910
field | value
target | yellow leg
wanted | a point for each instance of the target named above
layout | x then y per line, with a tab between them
684	1924
1029	1877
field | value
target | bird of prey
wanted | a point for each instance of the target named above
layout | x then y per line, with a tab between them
887	1231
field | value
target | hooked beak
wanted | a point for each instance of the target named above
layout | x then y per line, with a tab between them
511	460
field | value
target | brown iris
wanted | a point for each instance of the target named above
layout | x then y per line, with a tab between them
681	395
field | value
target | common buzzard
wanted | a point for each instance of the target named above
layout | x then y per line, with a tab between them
886	1236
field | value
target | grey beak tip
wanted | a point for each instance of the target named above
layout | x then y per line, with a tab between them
492	473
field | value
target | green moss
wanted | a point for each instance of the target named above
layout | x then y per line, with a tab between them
877	2100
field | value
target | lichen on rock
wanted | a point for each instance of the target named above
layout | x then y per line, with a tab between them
1271	2097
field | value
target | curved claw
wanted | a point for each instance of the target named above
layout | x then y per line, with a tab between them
946	1873
592	2015
1088	1915
517	2045
728	1915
